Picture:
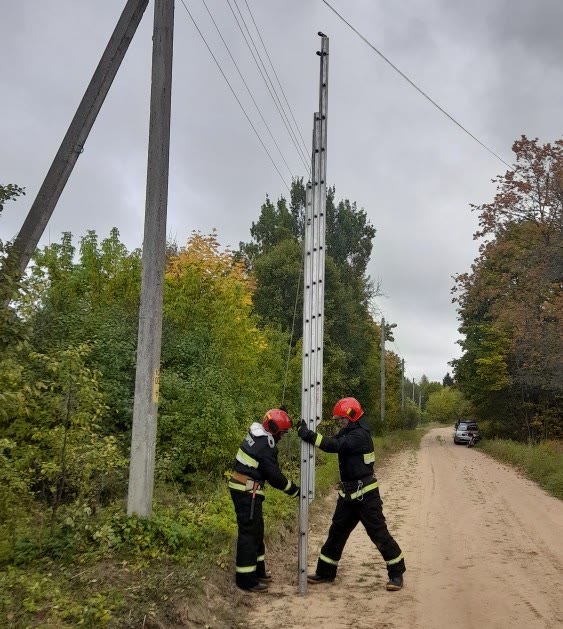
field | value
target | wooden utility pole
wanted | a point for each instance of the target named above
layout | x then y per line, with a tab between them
402	385
313	310
73	143
143	439
382	369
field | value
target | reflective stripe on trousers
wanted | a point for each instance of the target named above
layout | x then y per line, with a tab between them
250	540
347	514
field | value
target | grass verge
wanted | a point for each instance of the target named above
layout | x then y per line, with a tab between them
543	463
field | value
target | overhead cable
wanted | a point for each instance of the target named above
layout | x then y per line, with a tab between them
286	117
280	109
413	84
248	89
277	78
237	98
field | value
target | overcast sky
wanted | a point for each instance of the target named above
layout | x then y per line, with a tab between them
495	65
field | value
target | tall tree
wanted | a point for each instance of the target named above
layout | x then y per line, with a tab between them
447	380
511	304
274	255
12	332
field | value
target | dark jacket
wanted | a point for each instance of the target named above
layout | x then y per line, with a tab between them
257	457
354	446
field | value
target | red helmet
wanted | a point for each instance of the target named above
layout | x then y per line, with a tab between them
349	408
276	421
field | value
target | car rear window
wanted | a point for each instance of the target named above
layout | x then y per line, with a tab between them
463	426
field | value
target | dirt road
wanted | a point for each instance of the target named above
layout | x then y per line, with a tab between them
483	547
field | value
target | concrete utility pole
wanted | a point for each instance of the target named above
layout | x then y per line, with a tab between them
141	470
73	143
402	385
413	391
313	310
382	369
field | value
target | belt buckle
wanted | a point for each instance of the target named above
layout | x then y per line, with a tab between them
250	484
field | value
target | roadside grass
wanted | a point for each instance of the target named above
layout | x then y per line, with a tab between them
542	463
397	440
174	570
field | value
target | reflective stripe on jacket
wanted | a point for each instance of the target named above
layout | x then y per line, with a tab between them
257	457
354	446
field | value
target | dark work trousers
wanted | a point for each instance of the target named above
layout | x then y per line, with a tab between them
347	514
250	543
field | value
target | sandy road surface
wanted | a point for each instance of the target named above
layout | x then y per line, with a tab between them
483	546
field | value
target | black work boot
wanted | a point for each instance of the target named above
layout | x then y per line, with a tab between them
259	588
266	577
316	578
394	583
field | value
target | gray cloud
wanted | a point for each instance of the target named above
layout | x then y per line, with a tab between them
495	66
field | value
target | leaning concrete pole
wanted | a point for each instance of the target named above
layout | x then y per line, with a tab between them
73	143
143	439
313	309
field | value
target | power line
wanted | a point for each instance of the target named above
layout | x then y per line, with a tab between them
293	322
276	75
280	110
237	98
418	89
248	89
269	84
289	127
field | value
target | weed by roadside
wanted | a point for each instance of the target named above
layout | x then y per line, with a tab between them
541	462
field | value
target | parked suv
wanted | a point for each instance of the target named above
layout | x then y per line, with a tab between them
464	430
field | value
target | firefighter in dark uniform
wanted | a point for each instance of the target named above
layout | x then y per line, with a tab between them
359	499
255	464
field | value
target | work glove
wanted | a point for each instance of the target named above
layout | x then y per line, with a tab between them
293	491
306	434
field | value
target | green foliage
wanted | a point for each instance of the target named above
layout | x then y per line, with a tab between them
34	594
51	420
13	332
9	193
66	391
15	498
92	300
542	463
412	415
511	304
447	406
349	236
278	274
448	381
275	258
93	568
220	370
198	422
397	441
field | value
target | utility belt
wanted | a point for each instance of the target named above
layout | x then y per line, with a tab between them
242	482
355	489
